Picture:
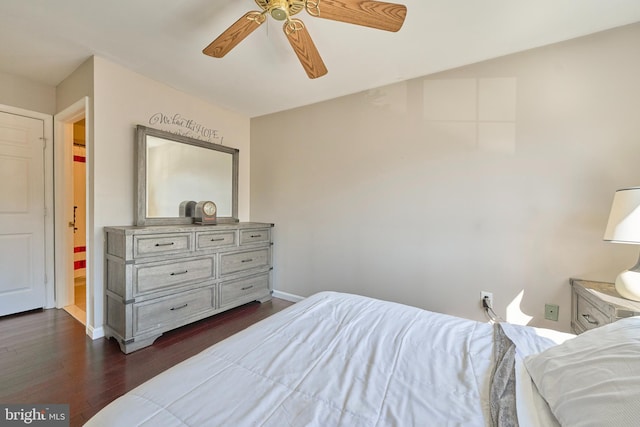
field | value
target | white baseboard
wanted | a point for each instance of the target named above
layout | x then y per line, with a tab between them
96	333
287	296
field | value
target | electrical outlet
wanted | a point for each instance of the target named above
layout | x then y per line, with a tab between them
489	296
551	312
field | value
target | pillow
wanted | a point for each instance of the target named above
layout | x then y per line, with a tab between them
593	379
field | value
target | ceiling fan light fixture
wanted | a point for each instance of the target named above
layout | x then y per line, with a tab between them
279	13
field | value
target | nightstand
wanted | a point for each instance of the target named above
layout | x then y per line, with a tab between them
595	304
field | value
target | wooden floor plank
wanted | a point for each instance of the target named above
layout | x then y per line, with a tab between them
46	357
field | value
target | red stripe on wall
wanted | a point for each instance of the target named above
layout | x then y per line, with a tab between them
79	159
77	265
79	249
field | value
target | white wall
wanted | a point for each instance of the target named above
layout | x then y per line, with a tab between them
75	87
496	176
23	93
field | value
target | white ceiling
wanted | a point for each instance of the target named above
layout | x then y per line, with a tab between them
46	40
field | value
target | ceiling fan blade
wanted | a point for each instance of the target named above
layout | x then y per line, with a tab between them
374	14
233	35
304	47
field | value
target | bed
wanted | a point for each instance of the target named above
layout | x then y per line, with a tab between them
337	359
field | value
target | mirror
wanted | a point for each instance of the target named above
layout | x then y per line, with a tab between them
174	168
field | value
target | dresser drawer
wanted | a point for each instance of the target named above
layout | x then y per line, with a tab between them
231	292
255	236
211	240
240	261
587	315
170	312
161	244
156	276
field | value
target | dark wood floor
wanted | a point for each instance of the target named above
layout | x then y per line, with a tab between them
46	357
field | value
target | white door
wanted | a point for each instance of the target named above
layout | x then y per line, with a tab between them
22	214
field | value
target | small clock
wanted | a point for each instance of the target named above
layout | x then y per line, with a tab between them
205	212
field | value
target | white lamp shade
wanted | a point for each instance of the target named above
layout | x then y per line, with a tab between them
624	219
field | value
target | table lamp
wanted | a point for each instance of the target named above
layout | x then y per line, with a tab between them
624	227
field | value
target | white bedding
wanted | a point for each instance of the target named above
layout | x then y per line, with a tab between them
333	360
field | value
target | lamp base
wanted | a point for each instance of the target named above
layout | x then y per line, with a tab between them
628	284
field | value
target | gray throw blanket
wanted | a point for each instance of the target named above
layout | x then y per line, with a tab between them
503	381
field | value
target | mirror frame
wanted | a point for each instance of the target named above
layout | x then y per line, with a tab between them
141	176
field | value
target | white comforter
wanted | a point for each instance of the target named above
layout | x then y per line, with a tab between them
330	360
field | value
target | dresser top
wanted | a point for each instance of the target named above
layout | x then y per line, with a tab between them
155	229
607	292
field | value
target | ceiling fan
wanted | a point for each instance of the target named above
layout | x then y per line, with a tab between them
374	14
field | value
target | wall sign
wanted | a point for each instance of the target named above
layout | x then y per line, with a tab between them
180	125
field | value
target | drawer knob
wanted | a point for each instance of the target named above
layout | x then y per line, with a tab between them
588	319
179	307
254	236
164	244
179	273
246	288
218	239
247	260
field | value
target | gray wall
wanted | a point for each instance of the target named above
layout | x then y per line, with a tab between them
122	100
17	91
497	176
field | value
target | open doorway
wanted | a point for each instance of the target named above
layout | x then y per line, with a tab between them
73	248
78	306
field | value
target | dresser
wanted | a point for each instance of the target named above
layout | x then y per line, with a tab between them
595	304
159	278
